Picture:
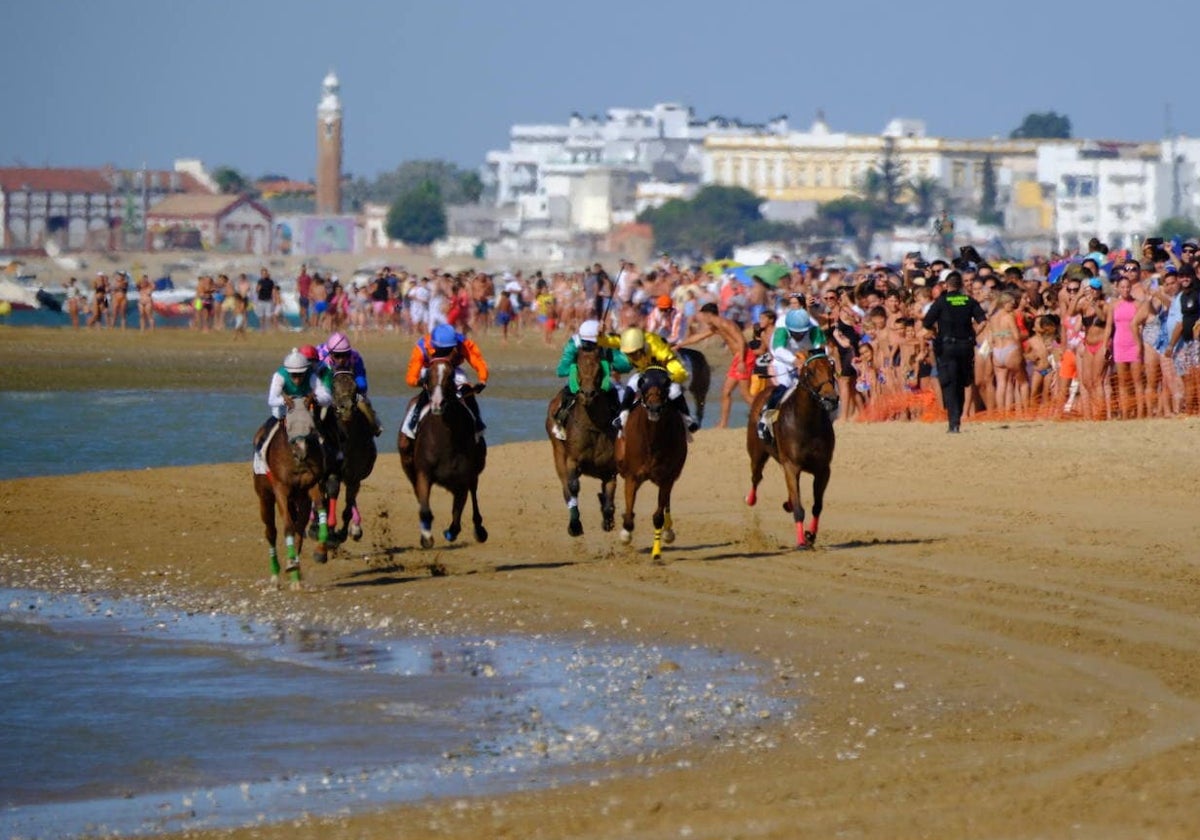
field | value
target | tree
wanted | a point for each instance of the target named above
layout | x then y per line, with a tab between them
418	217
230	181
988	214
926	193
713	223
1049	125
457	186
1180	226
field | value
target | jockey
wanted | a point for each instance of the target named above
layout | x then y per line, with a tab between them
646	350
294	378
336	354
791	345
667	321
444	341
586	338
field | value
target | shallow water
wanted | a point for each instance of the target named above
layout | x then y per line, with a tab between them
125	719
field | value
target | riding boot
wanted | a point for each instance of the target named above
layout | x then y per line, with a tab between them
624	404
410	424
681	406
263	431
368	410
564	411
770	412
471	403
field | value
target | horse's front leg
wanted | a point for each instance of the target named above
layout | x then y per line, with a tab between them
423	486
571	495
662	521
820	482
351	520
481	533
608	502
758	458
456	509
315	500
631	489
792	476
266	512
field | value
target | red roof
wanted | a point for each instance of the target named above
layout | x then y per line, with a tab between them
14	179
283	187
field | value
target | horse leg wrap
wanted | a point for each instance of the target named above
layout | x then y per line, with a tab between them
293	563
355	516
274	561
656	549
323	525
573	504
801	540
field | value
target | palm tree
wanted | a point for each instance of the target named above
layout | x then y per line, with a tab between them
926	194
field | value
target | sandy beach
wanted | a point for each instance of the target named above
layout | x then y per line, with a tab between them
997	635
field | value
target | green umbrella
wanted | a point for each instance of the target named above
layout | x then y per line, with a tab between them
770	274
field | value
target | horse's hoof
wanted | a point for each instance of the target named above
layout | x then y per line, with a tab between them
787	505
481	534
575	528
356	533
668	536
626	536
313	530
803	547
751	499
320	556
609	524
274	582
810	538
426	541
294	586
450	535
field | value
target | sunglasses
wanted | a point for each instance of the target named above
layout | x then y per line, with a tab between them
1072	288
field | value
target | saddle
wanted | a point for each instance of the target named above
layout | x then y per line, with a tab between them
769	416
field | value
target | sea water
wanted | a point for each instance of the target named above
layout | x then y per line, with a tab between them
123	718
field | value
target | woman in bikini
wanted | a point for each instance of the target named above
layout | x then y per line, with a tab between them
1124	336
1008	360
1042	355
1092	358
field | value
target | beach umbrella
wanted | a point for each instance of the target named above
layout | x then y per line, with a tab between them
1056	272
718	267
770	274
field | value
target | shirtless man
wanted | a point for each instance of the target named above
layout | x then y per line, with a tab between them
743	358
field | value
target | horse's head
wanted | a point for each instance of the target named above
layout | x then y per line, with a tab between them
345	395
820	379
591	371
439	382
654	388
301	428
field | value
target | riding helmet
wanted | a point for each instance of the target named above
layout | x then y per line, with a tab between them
444	336
309	352
294	362
338	343
589	330
633	340
797	321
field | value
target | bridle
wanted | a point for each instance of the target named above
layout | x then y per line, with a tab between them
829	402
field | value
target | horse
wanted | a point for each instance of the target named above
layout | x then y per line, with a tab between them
445	453
802	441
356	440
293	483
590	447
653	448
701	377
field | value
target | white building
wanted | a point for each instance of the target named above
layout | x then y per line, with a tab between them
549	169
1118	192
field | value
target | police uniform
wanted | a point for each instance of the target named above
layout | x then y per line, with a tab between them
954	313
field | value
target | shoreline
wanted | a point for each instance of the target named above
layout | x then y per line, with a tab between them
994	637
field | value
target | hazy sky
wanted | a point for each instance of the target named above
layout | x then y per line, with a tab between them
90	82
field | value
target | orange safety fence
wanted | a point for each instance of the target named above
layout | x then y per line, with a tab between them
1118	393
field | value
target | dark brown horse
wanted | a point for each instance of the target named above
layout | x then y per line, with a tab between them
356	441
590	447
802	440
701	377
293	484
446	453
653	448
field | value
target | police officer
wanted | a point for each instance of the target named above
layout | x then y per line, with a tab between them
955	313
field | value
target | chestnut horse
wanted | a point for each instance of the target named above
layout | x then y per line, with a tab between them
295	474
802	440
356	440
446	453
653	448
590	447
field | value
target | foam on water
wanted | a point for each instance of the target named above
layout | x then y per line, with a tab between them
122	718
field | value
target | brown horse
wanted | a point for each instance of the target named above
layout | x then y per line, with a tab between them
356	440
802	440
701	377
446	452
653	448
590	447
293	484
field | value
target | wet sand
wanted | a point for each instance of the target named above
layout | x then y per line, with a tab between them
997	636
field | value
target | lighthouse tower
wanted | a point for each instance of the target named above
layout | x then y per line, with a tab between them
329	148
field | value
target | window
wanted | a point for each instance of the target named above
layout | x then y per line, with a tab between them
1071	185
1087	187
